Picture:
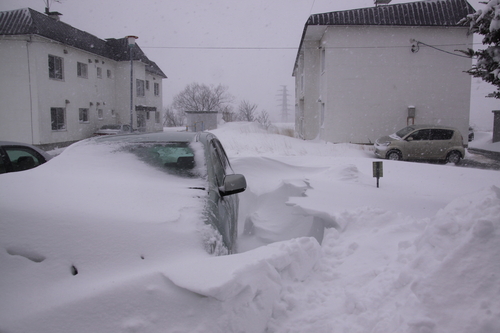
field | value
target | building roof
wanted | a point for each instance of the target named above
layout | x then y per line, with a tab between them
439	13
27	21
422	13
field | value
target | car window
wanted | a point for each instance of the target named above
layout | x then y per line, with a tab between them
3	166
219	164
23	158
423	134
175	158
402	133
441	134
222	154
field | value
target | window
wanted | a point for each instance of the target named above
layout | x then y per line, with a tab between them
58	119
220	161
83	115
441	134
147	84
113	113
99	72
157	117
109	73
23	158
55	67
157	89
139	87
100	113
81	69
420	135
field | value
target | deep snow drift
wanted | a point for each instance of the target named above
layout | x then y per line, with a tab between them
418	254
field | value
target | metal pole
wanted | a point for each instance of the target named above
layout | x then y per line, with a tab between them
131	44
131	47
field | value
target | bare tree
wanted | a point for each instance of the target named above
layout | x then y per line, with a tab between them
173	118
200	97
263	119
246	111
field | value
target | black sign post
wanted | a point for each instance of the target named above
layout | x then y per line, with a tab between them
378	170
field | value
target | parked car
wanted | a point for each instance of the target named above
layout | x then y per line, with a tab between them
176	154
422	142
115	214
193	166
16	156
113	130
471	133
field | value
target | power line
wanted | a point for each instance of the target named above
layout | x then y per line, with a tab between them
441	50
222	47
296	48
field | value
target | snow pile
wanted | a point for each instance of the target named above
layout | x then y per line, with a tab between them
387	273
322	249
484	140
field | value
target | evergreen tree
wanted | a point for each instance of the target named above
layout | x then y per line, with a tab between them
486	22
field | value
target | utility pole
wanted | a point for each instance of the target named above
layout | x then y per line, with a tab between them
283	98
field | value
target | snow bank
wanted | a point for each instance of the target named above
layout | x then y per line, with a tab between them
390	273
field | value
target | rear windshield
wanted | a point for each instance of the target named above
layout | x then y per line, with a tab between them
175	158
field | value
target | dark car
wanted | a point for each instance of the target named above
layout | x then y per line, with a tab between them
113	129
184	155
16	156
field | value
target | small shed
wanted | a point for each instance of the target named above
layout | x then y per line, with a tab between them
201	120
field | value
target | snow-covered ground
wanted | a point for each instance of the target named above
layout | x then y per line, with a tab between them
483	140
417	254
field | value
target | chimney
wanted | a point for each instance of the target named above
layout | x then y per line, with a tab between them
53	15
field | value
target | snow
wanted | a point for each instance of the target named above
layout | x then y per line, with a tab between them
484	141
322	249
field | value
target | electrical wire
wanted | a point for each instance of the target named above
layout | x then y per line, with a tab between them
441	50
295	48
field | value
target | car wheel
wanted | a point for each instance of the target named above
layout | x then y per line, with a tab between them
394	155
453	157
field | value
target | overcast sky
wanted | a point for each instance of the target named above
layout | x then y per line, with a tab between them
247	45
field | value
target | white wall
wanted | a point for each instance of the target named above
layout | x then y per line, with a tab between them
15	106
307	78
372	77
27	93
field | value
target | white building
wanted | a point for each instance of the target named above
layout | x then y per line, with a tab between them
59	84
368	72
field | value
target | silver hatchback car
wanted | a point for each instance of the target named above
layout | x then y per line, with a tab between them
422	142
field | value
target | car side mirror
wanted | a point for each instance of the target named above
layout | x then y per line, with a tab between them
409	139
233	184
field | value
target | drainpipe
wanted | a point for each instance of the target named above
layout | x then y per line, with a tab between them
28	42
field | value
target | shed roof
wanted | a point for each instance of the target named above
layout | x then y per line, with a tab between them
439	13
27	21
